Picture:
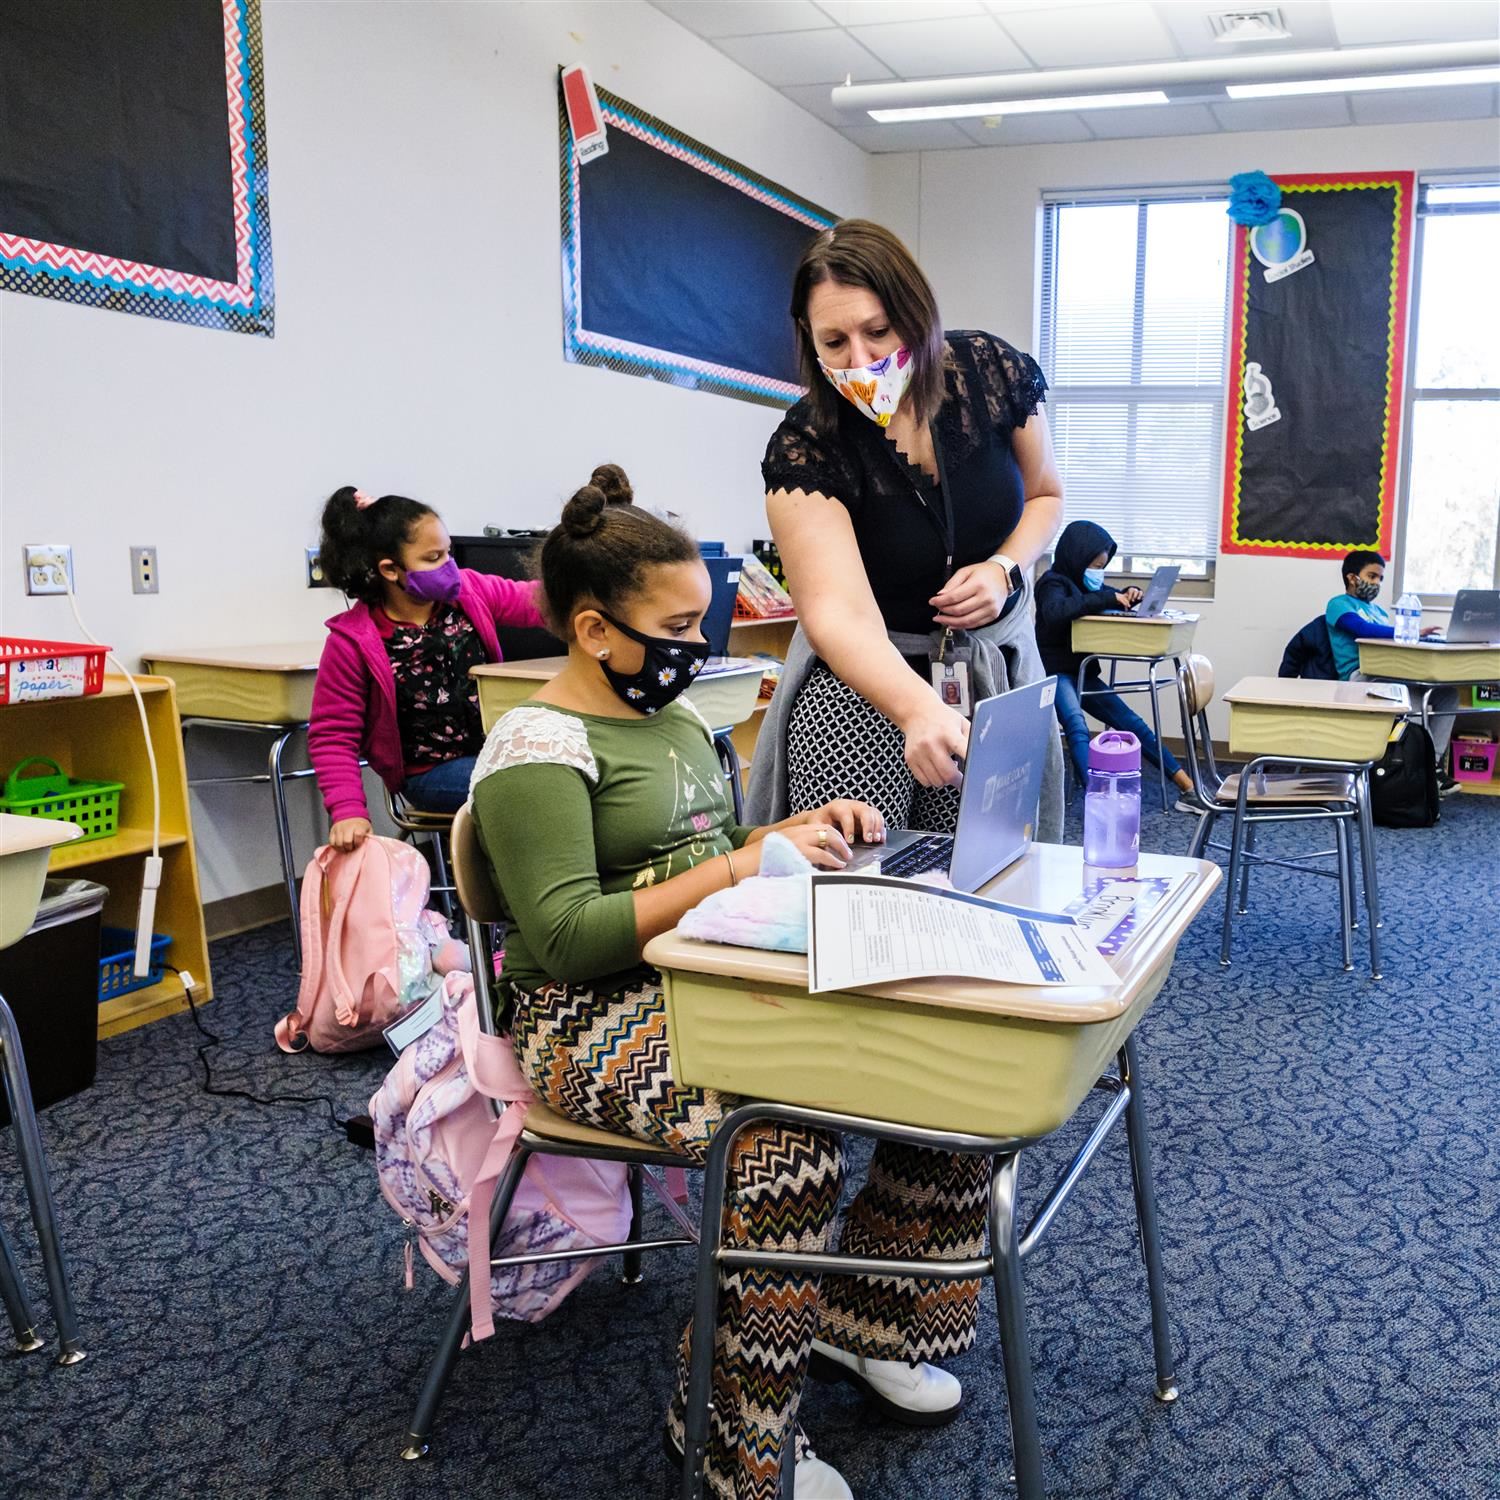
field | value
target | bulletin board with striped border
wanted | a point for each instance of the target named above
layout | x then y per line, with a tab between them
1331	338
635	302
238	299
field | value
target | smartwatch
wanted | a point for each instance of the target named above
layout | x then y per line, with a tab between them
1012	570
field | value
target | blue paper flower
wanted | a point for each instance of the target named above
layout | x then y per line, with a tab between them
1253	198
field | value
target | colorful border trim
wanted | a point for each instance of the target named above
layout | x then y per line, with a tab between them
1234	424
582	346
245	305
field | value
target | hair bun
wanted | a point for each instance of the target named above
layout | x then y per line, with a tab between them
611	481
584	514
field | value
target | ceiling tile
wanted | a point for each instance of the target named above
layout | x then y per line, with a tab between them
805	57
933	49
1027	130
716	18
1412	106
1085	35
1309	21
1153	119
814	98
878	12
1296	113
1426	21
913	135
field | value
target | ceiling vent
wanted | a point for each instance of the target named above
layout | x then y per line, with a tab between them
1233	26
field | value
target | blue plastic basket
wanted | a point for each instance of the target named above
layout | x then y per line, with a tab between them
117	974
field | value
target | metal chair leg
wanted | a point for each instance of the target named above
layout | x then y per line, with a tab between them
284	837
1349	876
1250	832
630	1272
1201	834
1161	765
444	883
1145	1213
1236	839
1367	861
1346	893
38	1188
445	1356
17	1308
1015	1346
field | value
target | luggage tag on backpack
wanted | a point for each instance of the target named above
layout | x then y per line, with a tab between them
415	1021
950	667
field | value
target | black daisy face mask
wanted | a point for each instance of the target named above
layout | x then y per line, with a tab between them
670	667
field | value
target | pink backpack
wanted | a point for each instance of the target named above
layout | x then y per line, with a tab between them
366	945
440	1152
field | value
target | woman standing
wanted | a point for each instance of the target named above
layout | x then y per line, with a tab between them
910	492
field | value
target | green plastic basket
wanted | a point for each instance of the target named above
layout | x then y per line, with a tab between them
93	805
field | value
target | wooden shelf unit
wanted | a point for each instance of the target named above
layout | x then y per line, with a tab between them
99	738
749	638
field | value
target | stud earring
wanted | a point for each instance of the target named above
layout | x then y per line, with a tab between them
604	655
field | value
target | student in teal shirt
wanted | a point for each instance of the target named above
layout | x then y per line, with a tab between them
1354	616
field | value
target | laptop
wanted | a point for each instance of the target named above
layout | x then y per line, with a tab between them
1002	787
1154	600
1475	620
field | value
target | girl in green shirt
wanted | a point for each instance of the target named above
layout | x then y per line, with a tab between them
602	808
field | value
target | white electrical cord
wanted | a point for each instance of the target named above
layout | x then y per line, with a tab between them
151	880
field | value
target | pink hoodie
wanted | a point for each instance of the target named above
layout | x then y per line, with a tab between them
354	698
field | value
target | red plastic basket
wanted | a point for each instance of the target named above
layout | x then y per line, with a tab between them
33	671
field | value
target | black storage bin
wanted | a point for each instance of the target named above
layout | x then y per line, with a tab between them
50	980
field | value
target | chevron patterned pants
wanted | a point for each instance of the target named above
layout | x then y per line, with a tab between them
601	1057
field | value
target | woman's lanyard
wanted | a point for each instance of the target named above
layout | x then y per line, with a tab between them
944	522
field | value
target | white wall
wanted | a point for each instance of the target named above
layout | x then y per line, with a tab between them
418	348
972	217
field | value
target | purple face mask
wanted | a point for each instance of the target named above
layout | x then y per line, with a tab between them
438	585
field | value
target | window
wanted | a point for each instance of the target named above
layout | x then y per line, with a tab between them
1135	296
1450	532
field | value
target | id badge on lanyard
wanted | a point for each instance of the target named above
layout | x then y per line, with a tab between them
951	660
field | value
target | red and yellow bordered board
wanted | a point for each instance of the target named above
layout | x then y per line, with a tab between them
1317	356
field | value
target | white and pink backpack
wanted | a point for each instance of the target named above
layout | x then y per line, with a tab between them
440	1152
368	945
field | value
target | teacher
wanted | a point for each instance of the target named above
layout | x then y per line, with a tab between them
910	493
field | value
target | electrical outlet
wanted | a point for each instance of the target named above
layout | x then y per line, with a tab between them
49	567
143	574
315	578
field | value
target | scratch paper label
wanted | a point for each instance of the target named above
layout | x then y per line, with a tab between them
584	119
46	677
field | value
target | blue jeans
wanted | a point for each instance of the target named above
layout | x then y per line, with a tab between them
443	789
1112	710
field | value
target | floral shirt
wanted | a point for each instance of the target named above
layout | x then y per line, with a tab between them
437	702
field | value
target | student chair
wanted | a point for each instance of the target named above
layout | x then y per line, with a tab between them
1337	792
437	828
546	1133
729	763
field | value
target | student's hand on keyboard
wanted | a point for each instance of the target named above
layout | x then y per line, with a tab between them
1129	598
855	820
937	738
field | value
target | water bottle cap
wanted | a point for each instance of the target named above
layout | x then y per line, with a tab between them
1115	750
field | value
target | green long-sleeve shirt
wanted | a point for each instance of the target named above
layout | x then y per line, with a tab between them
576	812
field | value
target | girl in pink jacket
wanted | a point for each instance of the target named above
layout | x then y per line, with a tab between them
393	683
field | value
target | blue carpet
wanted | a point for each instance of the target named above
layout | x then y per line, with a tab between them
1330	1195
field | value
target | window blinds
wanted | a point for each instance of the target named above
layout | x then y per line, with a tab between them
1134	311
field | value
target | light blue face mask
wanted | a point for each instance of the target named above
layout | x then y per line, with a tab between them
1093	578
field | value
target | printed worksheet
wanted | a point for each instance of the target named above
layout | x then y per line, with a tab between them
867	929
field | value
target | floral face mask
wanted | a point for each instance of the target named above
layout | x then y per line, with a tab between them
876	389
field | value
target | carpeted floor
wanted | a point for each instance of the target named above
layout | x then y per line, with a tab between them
1329	1179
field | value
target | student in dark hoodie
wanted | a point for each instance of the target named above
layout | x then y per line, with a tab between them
1074	586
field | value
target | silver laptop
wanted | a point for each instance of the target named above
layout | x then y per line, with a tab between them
1476	618
1002	786
1154	600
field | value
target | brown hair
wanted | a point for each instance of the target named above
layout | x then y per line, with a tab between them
860	253
601	549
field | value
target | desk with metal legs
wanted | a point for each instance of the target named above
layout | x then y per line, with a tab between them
951	1065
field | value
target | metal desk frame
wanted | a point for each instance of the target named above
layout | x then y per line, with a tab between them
1151	685
1009	1245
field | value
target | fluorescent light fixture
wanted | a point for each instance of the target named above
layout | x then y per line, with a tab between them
1019	106
1448	78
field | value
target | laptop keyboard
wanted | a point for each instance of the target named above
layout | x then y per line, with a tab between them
934	852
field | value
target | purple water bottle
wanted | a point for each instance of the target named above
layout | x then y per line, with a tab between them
1112	803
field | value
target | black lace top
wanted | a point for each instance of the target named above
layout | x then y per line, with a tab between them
897	510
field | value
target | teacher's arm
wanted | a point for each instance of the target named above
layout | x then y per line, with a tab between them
975	595
843	623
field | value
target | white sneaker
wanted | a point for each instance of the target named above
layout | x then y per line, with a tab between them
918	1395
815	1480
